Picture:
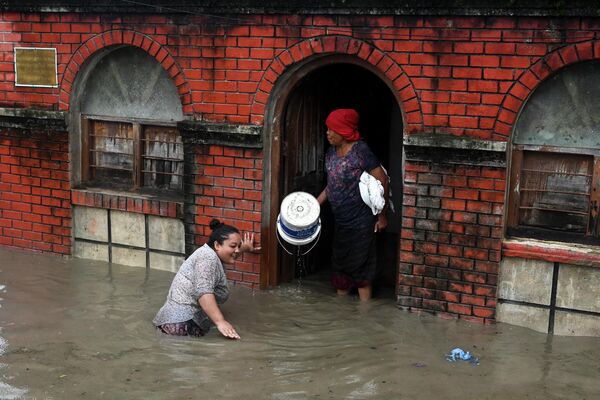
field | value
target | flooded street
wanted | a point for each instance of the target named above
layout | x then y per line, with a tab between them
81	329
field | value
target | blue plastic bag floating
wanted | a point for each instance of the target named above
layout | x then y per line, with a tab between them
459	354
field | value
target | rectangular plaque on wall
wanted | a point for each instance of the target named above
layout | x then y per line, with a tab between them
35	67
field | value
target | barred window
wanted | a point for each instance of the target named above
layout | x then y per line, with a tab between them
554	191
132	156
553	196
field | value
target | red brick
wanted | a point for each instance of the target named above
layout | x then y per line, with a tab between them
585	51
460	287
478	254
459	308
410	280
569	55
489	291
484	312
449	296
410	257
461	263
454	60
437	261
469	73
484	61
434	283
422	292
473	300
487	267
434	305
453	251
554	61
451	204
468	47
475	277
468	98
483	86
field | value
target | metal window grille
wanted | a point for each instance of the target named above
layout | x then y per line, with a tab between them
132	156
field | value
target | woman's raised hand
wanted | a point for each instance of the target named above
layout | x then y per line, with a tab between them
248	243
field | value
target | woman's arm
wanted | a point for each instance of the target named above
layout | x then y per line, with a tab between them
322	197
382	177
209	305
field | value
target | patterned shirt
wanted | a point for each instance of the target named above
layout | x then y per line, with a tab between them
201	273
343	193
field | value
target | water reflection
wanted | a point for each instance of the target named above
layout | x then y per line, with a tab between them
80	329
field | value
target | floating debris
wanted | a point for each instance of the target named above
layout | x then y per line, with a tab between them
459	354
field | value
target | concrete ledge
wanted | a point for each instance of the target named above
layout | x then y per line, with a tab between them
452	142
564	253
448	149
124	201
199	132
26	118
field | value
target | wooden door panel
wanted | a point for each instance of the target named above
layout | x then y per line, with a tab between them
302	162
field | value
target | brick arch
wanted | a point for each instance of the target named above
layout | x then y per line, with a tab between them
130	38
529	81
323	45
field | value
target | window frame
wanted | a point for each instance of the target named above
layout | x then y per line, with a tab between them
525	231
138	125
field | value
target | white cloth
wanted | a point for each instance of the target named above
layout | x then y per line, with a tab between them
372	193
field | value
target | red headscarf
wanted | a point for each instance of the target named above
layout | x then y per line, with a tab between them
344	122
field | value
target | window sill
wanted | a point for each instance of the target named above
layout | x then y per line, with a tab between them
564	253
131	202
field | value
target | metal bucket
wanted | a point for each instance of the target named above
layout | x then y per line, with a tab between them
298	222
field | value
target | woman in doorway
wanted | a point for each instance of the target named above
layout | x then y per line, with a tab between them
354	253
200	285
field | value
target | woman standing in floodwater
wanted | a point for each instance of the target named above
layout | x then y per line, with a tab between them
353	254
200	286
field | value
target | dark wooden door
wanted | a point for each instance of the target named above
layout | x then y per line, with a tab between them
302	162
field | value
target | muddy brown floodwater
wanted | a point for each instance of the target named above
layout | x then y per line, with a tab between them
77	329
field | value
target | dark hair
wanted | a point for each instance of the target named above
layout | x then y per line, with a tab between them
220	232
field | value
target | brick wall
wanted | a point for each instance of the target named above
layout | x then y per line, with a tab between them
227	184
459	68
451	231
35	206
463	76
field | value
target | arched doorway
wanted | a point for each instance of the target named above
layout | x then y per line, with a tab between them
298	146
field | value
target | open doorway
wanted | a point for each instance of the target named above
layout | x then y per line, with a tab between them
303	147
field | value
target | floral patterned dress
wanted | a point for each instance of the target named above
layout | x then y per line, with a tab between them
353	256
200	274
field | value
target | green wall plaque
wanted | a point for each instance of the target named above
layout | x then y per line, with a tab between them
35	67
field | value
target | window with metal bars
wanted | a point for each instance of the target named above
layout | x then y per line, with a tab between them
136	156
553	194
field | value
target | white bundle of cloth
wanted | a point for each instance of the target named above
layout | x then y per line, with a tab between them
372	192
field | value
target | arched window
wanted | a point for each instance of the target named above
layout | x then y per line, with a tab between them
129	108
555	168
